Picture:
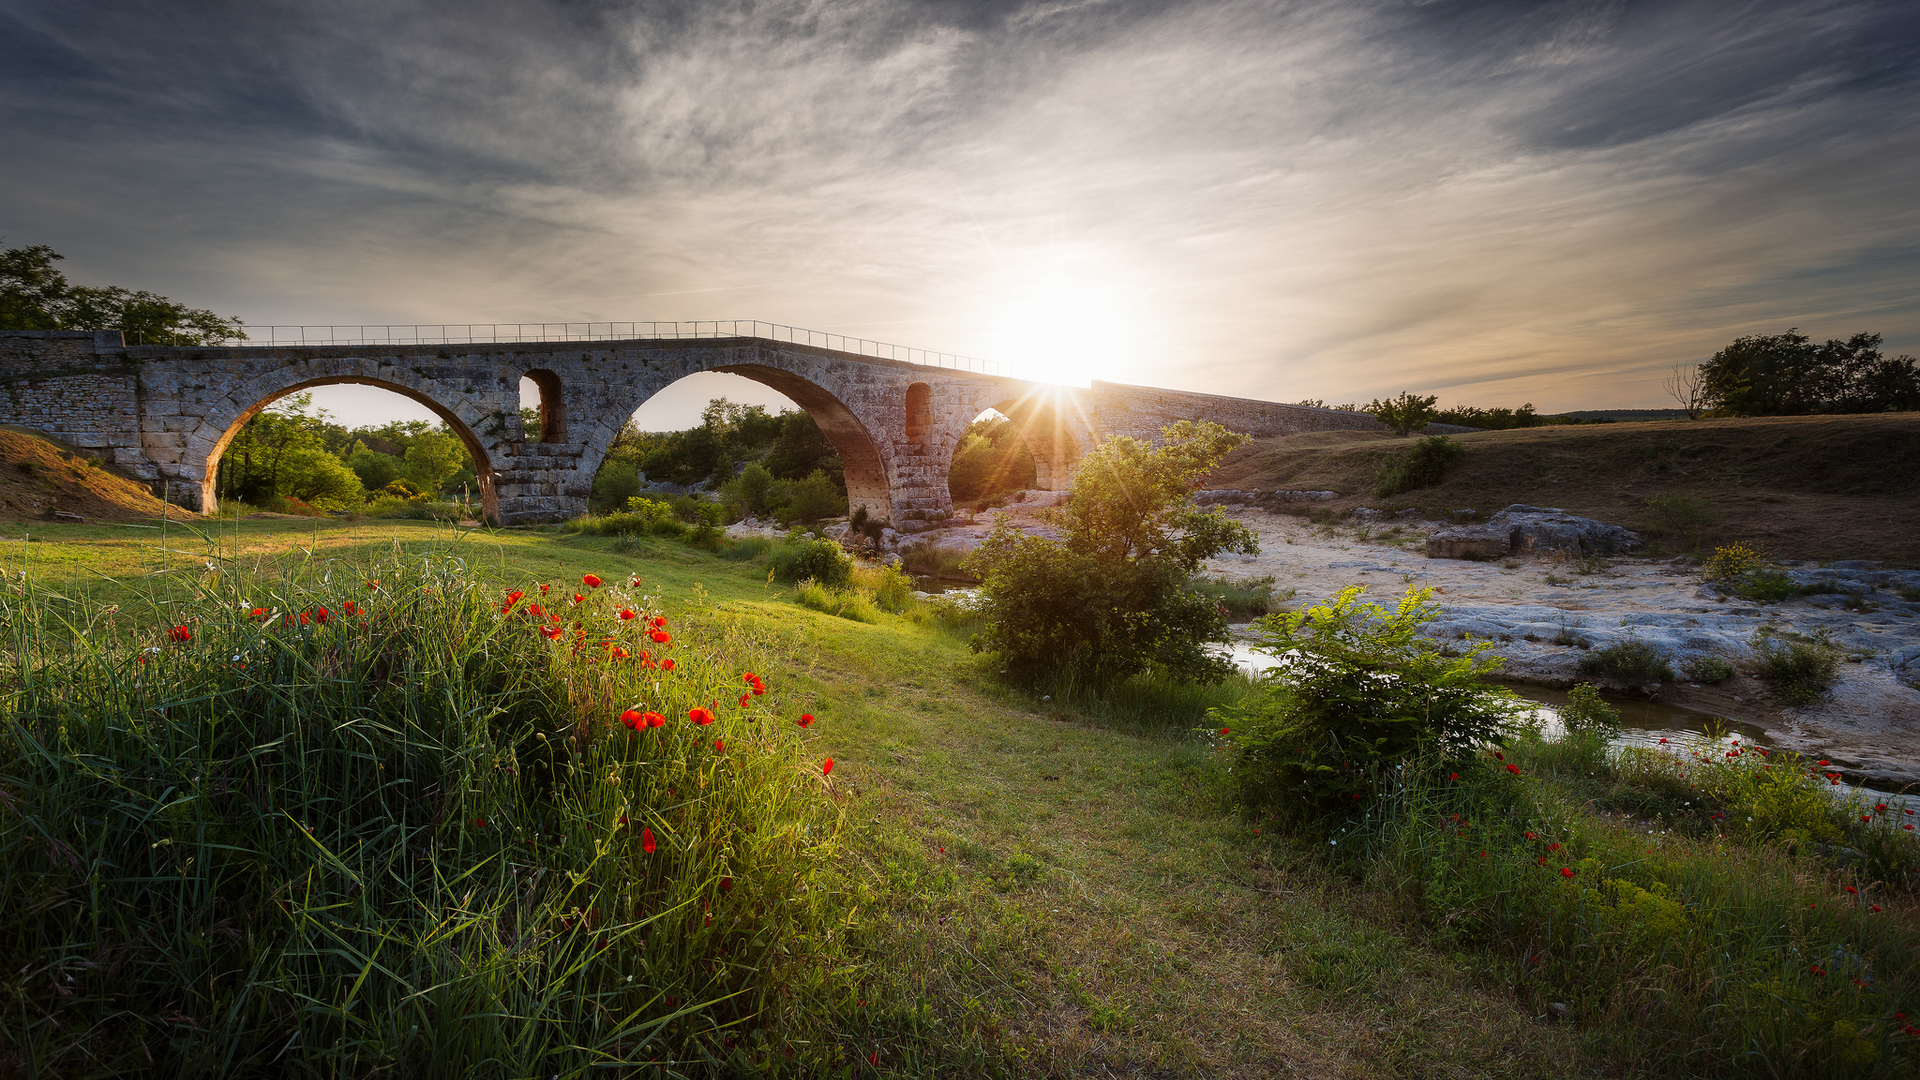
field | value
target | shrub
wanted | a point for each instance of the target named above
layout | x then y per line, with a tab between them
822	561
890	587
1357	692
1707	669
1733	561
1591	724
403	488
1111	599
1632	662
1405	414
1798	670
1421	465
845	603
814	497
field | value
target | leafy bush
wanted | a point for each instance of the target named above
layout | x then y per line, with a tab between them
1357	695
1733	561
812	498
1798	670
1112	599
1632	662
1405	414
1591	725
1707	669
1423	464
821	561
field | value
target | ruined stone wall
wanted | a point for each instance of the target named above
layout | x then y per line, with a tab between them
60	382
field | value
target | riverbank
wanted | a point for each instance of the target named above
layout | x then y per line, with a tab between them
1545	613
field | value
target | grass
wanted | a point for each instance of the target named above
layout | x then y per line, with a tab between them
1014	887
1244	598
1631	662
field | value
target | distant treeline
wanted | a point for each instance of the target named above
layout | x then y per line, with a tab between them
1499	418
291	457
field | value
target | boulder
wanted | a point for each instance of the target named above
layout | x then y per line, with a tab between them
1469	542
1540	528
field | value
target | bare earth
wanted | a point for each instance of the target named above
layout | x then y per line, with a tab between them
1869	720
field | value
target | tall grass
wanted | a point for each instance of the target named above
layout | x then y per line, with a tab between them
408	835
1699	947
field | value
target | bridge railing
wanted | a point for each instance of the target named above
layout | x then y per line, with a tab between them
516	333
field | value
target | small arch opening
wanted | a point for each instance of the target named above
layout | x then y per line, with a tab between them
919	418
990	463
543	408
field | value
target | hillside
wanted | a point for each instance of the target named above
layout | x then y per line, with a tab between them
1810	487
39	476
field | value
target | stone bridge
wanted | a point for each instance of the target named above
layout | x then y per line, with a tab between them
166	414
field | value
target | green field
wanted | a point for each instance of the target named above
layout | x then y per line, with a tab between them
986	883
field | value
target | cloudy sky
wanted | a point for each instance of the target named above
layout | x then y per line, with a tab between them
1494	201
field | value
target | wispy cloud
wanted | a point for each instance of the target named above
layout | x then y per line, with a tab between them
1495	201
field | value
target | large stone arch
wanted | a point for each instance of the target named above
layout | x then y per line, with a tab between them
224	419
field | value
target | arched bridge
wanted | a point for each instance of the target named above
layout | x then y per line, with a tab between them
167	414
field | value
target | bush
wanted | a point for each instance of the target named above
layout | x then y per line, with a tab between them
1357	695
1111	599
1707	669
1632	662
890	587
846	603
822	561
813	498
1405	414
1423	464
1798	670
1591	726
1733	561
613	486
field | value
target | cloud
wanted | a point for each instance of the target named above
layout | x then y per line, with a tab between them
1493	201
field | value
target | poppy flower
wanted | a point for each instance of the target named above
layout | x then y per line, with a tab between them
1818	971
623	821
553	632
1512	768
1356	796
626	614
578	599
632	718
719	747
646	840
1498	756
666	665
1450	776
545	589
1533	836
1880	809
321	615
619	652
480	822
1566	871
350	608
654	719
303	618
1851	891
633	581
179	633
726	884
658	621
1663	742
660	637
745	700
261	613
806	720
591	581
1873	907
700	716
1541	859
373	586
1866	817
514	597
827	767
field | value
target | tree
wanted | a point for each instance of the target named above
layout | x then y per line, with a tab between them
1788	375
34	295
1405	414
433	458
1688	387
1113	597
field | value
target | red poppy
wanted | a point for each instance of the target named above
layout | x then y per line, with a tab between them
719	747
666	665
1818	971
261	613
303	618
545	589
1873	907
1663	742
654	719
646	840
1498	756
514	597
1566	871
1553	847
632	718
1532	836
1881	808
623	821
553	632
578	599
350	608
806	720
1851	891
1514	769
827	767
659	621
700	716
660	637
1450	776
1223	731
633	581
373	586
591	581
479	822
179	633
1541	859
1356	796
1866	817
627	613
321	615
619	652
745	700
536	609
726	884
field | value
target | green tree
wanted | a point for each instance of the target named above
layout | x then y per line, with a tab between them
749	492
433	458
35	295
814	497
1113	597
1788	375
268	450
1405	414
375	470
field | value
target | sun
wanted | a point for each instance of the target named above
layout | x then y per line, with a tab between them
1062	332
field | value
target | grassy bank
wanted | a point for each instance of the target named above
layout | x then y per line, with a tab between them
991	884
1808	487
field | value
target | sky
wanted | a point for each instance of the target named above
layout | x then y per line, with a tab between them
1491	201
